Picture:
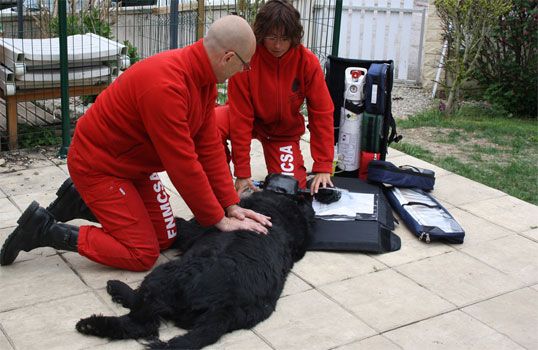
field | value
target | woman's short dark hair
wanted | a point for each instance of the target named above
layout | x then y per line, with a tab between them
279	15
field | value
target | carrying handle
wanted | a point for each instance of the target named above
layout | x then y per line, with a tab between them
410	167
423	204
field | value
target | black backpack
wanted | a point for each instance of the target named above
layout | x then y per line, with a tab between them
379	73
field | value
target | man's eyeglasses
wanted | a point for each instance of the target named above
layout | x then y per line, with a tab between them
275	38
246	65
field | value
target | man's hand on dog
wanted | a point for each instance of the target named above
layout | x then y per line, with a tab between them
244	219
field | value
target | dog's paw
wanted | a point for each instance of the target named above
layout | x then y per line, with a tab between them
120	293
90	325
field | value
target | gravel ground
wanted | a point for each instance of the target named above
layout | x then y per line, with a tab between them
407	101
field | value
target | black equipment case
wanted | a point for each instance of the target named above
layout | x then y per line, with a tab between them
372	236
382	74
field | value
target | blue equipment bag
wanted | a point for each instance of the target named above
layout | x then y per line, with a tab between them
381	171
424	215
376	88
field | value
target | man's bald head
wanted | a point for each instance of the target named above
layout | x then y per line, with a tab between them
227	37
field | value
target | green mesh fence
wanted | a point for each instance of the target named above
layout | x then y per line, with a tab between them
103	39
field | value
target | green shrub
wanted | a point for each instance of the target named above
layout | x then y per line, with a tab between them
465	24
31	136
508	63
132	52
90	20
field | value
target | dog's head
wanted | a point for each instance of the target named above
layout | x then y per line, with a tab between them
282	200
301	241
292	214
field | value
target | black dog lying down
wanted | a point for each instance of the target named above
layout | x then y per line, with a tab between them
223	282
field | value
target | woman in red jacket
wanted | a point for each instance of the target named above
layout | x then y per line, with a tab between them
265	103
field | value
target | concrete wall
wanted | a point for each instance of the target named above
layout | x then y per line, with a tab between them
433	45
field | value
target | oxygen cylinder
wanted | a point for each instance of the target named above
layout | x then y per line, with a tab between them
349	134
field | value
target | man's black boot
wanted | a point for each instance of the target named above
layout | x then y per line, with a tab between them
37	228
69	205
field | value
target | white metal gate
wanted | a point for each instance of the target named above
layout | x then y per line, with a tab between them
374	30
383	29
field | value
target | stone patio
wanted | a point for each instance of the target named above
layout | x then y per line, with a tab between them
482	294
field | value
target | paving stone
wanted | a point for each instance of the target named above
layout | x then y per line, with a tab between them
319	268
307	156
310	321
393	153
514	255
459	278
477	230
165	179
239	340
498	257
509	212
385	299
119	345
294	285
39	180
454	330
513	314
9	213
43	198
179	207
257	161
62	164
96	275
29	282
82	222
24	161
412	249
51	325
457	190
4	343
531	234
377	342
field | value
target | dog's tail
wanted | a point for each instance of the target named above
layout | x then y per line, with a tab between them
206	331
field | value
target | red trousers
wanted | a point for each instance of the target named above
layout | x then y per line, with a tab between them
281	157
135	215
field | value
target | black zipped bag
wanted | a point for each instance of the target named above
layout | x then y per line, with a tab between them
381	171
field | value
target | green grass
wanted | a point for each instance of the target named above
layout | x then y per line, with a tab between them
480	144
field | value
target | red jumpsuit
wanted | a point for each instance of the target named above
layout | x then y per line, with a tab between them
265	103
158	115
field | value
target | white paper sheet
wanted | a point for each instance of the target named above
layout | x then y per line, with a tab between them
349	205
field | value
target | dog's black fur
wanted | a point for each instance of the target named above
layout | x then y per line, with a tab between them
224	281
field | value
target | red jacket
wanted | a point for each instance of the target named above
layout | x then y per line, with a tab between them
159	115
266	101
